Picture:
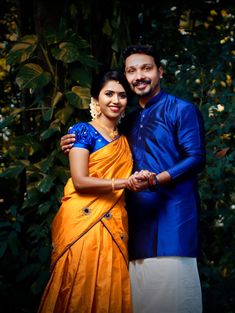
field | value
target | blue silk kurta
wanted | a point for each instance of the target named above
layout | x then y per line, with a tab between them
167	134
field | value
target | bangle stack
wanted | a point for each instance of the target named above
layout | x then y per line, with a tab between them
112	182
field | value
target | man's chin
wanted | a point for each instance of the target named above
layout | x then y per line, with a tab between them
142	93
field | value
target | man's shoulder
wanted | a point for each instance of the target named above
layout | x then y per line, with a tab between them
180	103
178	100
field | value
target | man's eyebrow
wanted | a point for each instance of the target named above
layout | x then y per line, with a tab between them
136	65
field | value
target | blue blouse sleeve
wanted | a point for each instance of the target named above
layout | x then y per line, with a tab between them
84	137
190	134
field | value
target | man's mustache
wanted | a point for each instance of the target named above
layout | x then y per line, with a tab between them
141	81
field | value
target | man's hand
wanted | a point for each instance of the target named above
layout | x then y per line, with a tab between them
66	142
139	181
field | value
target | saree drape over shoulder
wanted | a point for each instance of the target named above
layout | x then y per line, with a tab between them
89	266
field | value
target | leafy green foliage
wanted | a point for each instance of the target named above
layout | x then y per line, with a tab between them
34	170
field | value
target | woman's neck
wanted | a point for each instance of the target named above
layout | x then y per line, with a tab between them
111	124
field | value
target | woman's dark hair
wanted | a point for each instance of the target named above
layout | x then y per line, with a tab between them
142	49
101	79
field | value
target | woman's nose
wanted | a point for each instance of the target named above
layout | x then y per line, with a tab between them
115	98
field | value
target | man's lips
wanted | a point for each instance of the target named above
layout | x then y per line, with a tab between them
141	83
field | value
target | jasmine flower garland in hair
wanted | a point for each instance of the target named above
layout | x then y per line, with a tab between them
93	110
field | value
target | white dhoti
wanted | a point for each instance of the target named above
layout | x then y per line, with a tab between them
165	285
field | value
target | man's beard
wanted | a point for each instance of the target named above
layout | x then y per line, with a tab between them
141	93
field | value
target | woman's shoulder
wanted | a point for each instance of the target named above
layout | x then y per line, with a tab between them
81	127
85	136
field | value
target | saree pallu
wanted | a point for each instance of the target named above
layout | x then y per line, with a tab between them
89	263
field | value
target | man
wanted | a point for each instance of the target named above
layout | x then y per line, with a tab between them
166	137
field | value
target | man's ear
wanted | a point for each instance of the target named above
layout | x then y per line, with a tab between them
160	69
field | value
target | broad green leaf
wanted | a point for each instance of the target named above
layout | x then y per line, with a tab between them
73	99
84	94
64	114
44	208
23	49
107	30
53	37
79	97
12	171
8	119
81	76
32	76
88	60
13	243
44	164
71	36
17	226
58	194
66	52
5	224
56	98
46	184
47	114
3	247
33	197
49	132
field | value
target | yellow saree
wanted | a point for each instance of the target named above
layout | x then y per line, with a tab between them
89	265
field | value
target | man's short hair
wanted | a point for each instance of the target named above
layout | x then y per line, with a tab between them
142	49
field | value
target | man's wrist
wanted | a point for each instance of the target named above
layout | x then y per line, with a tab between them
153	182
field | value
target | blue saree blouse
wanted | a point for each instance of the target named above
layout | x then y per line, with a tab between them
168	134
87	137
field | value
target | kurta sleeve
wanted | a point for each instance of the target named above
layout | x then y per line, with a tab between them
190	138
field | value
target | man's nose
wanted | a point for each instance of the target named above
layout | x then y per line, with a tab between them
139	74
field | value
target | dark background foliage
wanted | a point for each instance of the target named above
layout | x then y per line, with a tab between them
48	53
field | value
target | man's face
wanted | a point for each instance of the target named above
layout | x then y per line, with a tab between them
143	75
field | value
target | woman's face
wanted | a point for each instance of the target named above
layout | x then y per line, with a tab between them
112	100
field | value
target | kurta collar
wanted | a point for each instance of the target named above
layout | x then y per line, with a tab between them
154	99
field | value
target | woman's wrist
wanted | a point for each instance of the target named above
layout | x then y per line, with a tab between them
113	184
118	183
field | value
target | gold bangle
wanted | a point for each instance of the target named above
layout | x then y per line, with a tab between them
113	187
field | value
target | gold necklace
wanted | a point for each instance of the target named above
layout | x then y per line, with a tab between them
113	133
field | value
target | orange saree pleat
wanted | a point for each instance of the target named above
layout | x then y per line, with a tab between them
89	265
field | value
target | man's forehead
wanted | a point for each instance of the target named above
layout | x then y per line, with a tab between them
139	60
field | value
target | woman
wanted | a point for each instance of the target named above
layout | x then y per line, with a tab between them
89	263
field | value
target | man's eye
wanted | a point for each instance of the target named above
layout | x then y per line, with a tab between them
130	70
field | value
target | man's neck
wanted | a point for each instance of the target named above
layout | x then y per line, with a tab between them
144	100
